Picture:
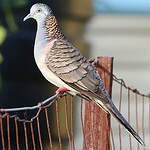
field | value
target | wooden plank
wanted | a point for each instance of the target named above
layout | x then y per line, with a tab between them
97	122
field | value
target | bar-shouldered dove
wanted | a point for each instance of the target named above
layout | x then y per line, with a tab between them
64	66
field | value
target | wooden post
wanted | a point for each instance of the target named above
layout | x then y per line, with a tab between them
97	122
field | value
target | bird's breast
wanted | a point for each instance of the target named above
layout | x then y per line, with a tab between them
48	74
51	77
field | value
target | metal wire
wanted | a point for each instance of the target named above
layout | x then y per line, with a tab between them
17	137
143	120
121	81
137	124
149	117
84	141
67	128
58	126
2	133
48	128
8	133
6	113
26	136
130	142
72	133
33	138
47	101
112	138
39	133
120	102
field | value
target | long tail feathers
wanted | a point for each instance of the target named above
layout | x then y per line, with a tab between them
114	111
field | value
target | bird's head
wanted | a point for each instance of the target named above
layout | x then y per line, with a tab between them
39	12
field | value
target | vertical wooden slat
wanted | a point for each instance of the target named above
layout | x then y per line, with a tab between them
97	122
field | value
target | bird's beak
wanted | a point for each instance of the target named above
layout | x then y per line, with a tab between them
27	17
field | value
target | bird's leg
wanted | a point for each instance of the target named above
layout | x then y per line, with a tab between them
61	91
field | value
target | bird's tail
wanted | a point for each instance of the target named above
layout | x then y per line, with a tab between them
114	111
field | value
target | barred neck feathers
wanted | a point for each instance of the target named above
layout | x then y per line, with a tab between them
53	28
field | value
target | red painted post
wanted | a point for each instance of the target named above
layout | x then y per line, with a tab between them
97	122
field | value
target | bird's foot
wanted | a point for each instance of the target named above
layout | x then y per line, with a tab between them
93	62
61	92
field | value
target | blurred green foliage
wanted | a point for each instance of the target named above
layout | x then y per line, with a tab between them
3	34
17	3
9	16
1	58
7	9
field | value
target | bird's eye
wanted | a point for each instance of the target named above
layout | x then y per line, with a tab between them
39	10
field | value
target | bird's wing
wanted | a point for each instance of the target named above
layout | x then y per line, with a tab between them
69	65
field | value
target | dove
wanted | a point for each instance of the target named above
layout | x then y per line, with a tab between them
64	66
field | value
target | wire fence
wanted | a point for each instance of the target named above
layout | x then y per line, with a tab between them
135	106
19	131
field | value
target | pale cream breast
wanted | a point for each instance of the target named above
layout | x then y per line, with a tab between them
47	73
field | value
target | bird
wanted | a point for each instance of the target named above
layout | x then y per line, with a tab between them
64	66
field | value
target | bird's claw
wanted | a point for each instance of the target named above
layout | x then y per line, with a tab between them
61	92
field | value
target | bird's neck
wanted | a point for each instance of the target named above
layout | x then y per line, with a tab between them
53	28
41	39
47	30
